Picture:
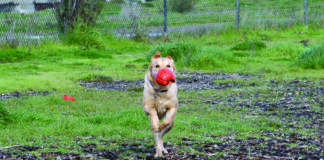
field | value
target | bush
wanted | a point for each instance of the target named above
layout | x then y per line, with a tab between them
117	1
14	55
312	58
249	45
5	116
70	12
177	51
84	37
180	6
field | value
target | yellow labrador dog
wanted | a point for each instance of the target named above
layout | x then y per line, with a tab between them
160	101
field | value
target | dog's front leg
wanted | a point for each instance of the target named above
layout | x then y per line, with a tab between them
170	116
154	119
166	126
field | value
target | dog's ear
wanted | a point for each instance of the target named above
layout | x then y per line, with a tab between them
157	55
150	67
170	58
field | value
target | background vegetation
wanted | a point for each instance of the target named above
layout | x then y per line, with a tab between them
270	54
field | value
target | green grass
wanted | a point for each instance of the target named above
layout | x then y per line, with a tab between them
57	67
312	58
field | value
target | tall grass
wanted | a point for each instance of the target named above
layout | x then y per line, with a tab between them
312	58
5	116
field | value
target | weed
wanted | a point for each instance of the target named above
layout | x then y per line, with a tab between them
312	58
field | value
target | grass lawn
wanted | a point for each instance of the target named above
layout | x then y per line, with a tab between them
250	108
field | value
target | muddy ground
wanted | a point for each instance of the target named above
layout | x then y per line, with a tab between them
274	145
18	94
289	102
185	81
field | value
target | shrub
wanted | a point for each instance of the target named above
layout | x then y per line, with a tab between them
312	58
84	37
70	12
182	5
177	51
249	45
14	55
117	1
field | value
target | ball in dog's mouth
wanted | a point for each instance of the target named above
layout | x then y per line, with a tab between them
165	76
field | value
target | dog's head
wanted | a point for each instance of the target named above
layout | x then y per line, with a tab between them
158	62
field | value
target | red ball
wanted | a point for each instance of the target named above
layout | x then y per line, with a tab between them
164	77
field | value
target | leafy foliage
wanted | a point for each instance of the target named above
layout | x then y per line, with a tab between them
85	37
182	5
70	12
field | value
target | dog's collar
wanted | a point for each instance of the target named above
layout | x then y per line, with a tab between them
156	89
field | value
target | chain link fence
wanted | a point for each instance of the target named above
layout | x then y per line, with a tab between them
35	21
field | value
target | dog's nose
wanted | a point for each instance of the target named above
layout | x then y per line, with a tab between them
172	78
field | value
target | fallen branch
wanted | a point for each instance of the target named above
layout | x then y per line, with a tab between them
14	146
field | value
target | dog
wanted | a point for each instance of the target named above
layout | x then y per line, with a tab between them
160	101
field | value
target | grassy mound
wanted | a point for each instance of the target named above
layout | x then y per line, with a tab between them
248	45
312	58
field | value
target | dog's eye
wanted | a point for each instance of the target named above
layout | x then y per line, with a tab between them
157	66
168	66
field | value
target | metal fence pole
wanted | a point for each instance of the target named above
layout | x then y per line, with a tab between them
238	14
165	29
306	13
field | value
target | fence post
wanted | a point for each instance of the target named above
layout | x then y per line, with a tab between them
165	29
238	14
306	13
